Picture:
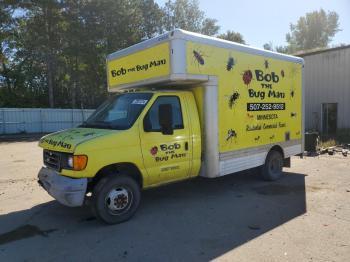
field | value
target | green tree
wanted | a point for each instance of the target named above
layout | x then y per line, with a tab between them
53	51
233	37
56	50
268	46
185	14
209	27
279	49
314	30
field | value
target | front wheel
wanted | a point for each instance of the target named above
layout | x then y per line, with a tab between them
272	169
115	199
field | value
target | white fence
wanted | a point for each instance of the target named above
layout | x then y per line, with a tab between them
40	120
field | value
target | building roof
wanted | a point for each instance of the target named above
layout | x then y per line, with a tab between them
317	51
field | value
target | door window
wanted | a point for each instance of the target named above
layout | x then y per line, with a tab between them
151	120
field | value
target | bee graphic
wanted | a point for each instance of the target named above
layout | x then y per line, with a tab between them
250	116
230	135
266	64
297	133
230	63
247	77
257	138
232	99
282	73
293	114
272	137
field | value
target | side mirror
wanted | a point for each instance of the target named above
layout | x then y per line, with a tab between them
165	116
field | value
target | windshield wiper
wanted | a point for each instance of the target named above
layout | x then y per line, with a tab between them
97	124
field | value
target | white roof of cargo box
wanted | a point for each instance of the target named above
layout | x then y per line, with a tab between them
199	38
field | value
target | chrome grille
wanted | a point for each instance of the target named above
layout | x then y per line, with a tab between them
52	159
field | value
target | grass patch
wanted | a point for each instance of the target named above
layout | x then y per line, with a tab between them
327	143
340	138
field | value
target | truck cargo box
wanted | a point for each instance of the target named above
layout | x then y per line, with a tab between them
249	100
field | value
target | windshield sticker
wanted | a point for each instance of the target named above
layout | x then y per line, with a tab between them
139	102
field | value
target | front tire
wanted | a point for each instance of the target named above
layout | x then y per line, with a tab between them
115	199
272	169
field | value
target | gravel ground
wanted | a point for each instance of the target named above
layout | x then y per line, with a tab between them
303	217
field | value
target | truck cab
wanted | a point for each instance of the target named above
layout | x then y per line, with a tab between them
147	137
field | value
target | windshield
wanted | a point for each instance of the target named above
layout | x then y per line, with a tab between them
119	112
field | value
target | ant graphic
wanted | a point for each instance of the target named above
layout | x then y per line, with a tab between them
257	138
230	135
266	63
230	63
292	93
232	99
272	137
250	116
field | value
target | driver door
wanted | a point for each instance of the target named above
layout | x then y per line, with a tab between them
166	157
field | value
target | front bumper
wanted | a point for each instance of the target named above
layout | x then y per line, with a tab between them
68	191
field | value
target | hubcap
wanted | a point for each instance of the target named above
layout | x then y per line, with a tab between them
118	199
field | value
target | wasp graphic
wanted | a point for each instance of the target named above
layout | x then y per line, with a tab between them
257	138
231	134
199	57
293	114
266	64
230	63
247	77
232	99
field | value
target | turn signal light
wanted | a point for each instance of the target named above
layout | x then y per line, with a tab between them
79	162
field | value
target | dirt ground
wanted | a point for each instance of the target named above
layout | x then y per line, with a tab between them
303	217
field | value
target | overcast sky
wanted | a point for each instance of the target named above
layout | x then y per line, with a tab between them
268	20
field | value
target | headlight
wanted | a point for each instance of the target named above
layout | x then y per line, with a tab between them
70	161
77	162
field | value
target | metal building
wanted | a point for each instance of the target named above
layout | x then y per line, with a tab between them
327	89
40	120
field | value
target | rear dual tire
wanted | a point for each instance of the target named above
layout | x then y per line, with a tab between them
272	169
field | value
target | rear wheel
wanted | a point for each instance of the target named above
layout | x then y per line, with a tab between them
115	199
272	169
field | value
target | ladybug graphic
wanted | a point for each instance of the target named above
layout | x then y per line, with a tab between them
154	150
247	77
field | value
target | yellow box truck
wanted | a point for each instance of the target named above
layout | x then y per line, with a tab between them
185	105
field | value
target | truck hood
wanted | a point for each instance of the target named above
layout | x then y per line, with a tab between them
67	140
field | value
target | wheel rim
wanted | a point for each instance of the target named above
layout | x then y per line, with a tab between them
118	200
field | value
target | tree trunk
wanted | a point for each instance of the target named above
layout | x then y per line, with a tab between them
50	82
75	82
49	58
